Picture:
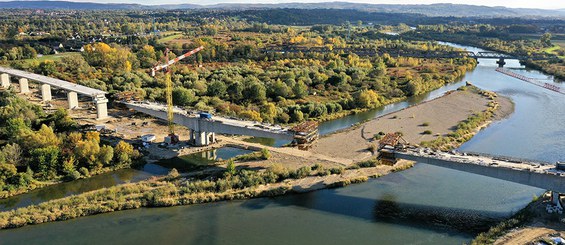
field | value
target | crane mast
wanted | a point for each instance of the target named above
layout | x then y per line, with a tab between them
169	87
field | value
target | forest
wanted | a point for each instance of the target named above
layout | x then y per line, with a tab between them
38	149
234	75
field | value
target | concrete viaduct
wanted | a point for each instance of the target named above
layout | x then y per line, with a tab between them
72	89
202	130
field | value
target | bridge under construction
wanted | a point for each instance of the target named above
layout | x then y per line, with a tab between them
203	129
549	176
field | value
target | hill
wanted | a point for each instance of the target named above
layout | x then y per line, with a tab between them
443	9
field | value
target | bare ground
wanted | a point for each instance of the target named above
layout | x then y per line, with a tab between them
442	115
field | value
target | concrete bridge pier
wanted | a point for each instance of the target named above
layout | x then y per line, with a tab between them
46	92
191	136
203	138
501	62
24	86
101	107
555	199
72	97
5	79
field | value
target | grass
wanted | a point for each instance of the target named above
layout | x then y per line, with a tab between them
170	36
53	56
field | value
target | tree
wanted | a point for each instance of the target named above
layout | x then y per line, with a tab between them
217	89
251	115
105	155
235	92
546	39
230	168
44	137
183	96
146	56
123	153
87	153
255	92
45	162
12	154
279	88
366	99
300	89
297	116
7	171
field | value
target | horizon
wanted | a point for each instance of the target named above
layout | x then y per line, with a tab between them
542	4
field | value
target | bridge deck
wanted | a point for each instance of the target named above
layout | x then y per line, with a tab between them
217	124
537	174
58	83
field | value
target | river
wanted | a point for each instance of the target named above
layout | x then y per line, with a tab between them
394	209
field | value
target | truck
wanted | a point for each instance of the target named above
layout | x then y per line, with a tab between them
204	115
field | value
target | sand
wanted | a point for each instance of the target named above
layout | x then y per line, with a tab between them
442	115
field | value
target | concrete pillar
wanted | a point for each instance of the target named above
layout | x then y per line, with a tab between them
211	138
45	92
72	98
200	138
555	199
101	107
191	136
5	78
24	86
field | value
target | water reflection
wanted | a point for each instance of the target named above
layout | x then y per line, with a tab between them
74	187
202	160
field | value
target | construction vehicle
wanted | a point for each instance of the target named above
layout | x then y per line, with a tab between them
172	138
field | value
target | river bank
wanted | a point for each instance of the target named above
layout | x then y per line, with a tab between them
423	122
173	190
531	225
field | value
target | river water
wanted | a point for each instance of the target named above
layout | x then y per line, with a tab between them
422	205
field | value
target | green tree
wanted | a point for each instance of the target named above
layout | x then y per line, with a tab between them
183	96
45	162
105	155
217	89
300	89
255	92
545	39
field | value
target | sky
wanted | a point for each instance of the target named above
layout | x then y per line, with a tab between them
541	4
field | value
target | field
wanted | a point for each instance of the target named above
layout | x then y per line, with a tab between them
53	56
169	36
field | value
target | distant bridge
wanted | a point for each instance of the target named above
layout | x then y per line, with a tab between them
409	53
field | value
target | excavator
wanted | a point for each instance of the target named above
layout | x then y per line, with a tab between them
172	138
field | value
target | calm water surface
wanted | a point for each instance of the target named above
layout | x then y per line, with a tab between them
459	202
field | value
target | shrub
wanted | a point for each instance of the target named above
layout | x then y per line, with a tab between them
425	124
84	171
265	154
427	132
338	170
301	172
